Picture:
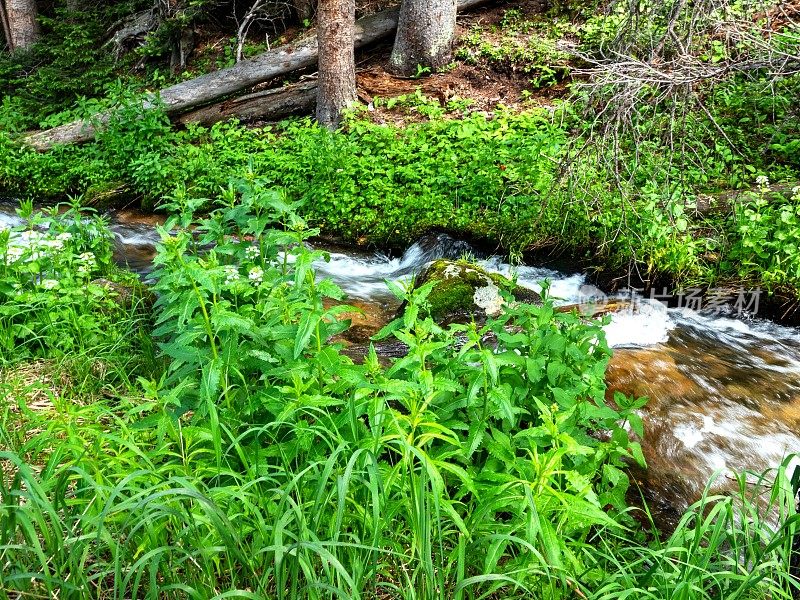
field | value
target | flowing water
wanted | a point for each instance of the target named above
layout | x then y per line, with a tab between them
724	393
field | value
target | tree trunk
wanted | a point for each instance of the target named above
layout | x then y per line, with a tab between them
425	35
22	23
6	27
182	46
212	87
337	61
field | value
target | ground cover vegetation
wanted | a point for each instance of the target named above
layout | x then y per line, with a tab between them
209	438
495	178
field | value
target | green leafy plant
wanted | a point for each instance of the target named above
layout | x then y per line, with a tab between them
520	45
67	64
52	300
766	240
421	70
265	462
250	340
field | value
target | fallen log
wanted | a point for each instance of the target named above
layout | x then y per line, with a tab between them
269	105
724	203
208	88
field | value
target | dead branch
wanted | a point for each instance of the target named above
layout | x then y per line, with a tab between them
670	56
259	11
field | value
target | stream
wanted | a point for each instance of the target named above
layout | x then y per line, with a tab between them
724	392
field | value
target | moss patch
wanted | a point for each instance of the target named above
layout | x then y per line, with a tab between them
464	291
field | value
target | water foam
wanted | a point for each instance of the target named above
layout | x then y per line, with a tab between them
364	276
7	221
135	234
643	323
733	438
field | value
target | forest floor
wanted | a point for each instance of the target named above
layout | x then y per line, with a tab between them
490	70
494	48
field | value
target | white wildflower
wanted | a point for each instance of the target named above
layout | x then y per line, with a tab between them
796	192
252	252
64	237
49	284
256	275
84	269
14	253
489	299
762	181
53	244
231	273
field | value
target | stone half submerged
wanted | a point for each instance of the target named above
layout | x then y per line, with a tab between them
464	291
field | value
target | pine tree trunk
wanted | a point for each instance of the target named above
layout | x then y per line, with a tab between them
24	28
337	65
425	35
6	28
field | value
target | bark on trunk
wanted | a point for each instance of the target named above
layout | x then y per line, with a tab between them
6	27
425	35
182	46
337	62
211	87
269	105
22	23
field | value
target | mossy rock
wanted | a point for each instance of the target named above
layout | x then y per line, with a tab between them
464	291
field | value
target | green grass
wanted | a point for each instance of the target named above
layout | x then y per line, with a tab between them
104	507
